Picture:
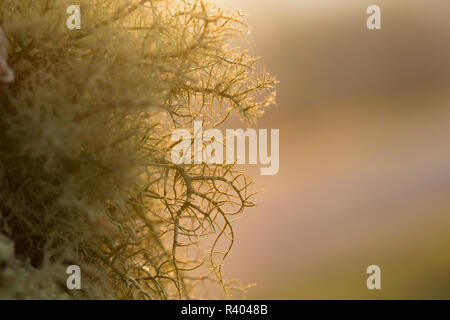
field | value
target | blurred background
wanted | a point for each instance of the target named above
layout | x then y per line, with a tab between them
364	178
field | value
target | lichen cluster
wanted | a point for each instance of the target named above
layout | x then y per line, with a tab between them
85	171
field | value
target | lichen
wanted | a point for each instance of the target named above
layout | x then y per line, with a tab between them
85	171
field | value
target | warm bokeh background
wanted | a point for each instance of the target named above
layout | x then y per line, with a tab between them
364	121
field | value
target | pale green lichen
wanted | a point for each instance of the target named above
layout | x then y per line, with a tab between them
85	171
